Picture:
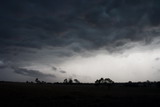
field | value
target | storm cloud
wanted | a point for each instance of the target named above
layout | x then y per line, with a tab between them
2	65
52	32
58	70
90	24
31	73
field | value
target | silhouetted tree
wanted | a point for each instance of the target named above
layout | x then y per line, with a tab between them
101	80
108	80
37	80
76	81
70	81
130	82
97	81
65	81
43	82
104	81
147	81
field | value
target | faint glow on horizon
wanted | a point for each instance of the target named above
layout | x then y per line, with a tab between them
139	62
131	65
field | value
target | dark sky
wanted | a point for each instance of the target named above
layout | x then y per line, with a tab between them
46	38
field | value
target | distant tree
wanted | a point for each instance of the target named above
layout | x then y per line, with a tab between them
65	81
37	80
32	82
108	80
43	82
97	81
130	82
70	81
76	81
104	81
147	81
101	80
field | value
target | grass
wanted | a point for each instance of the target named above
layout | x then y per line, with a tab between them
51	95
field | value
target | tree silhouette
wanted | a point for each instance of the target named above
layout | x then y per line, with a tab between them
76	81
108	80
104	81
37	80
65	81
70	81
101	80
97	81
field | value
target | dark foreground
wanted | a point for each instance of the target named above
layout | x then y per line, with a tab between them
51	95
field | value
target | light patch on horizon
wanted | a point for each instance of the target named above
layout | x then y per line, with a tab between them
137	62
131	65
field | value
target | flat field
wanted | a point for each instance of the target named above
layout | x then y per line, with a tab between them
60	95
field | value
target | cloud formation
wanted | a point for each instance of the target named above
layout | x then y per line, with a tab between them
54	68
89	24
58	70
54	31
62	71
2	65
32	73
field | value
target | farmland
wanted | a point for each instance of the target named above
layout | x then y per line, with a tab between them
82	95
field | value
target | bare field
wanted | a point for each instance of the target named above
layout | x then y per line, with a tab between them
51	95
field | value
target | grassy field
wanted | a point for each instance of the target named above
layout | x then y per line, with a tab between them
51	95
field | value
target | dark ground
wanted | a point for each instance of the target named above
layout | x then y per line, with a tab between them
60	95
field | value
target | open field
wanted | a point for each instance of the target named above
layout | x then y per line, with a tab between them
59	95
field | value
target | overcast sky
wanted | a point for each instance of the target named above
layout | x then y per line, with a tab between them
84	39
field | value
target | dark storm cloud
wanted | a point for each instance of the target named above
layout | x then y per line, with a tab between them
37	32
31	73
58	70
54	68
157	59
5	64
2	65
73	26
62	71
90	23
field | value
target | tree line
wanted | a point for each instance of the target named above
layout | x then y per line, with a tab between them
104	81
